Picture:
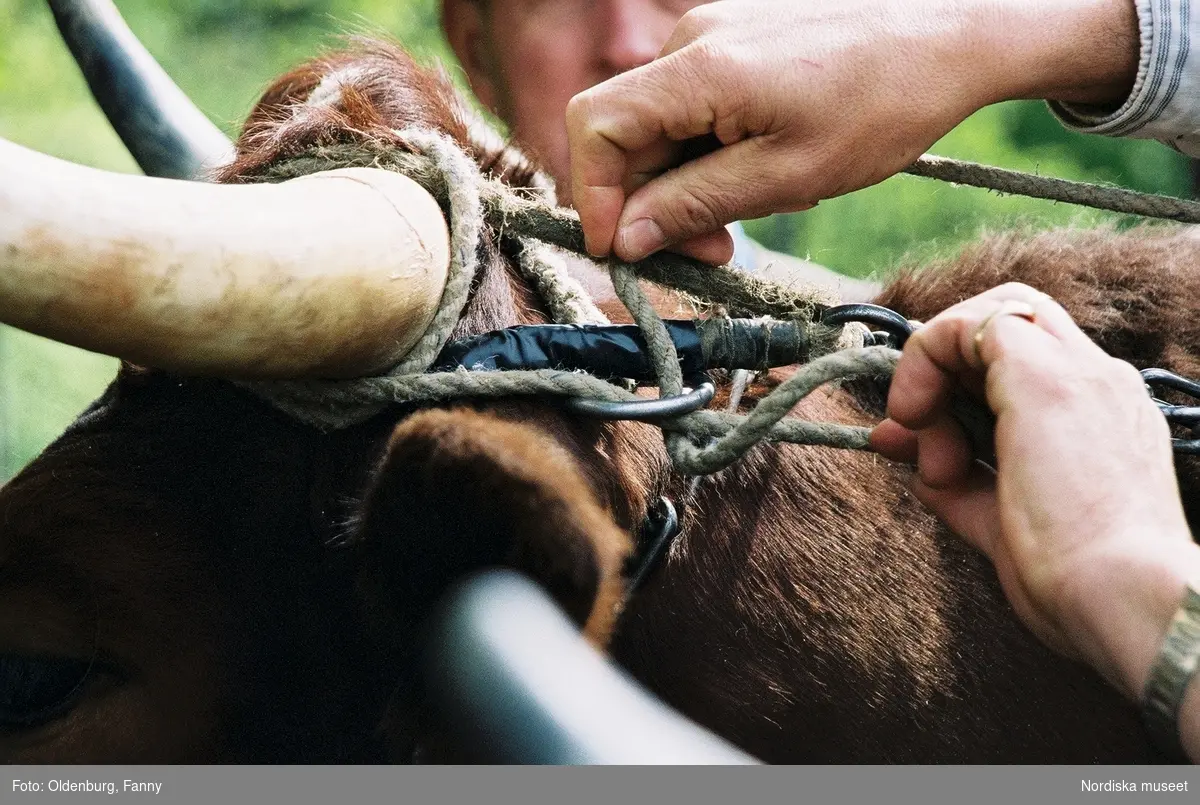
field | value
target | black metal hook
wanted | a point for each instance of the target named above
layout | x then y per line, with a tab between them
659	529
896	328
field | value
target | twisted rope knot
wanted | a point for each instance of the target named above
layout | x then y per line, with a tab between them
698	443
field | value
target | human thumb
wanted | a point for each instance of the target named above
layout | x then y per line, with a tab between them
737	181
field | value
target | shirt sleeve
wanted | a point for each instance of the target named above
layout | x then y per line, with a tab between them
1165	101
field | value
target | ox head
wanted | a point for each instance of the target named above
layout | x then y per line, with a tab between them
188	575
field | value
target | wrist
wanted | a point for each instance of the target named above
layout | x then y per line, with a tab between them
1125	604
1077	51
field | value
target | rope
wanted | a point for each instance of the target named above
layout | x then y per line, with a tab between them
731	436
699	443
471	201
513	215
350	401
1113	199
566	300
466	229
742	294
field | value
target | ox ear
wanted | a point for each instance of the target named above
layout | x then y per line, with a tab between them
458	491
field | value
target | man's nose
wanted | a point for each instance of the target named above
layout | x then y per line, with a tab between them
631	33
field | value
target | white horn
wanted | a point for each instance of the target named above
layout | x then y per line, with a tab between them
331	275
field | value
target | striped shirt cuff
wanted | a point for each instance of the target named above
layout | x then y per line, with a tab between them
1165	101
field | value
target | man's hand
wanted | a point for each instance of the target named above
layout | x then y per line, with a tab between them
795	102
1082	516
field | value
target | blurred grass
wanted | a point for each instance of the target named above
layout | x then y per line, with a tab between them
224	52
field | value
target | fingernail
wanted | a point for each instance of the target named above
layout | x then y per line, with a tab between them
641	238
592	249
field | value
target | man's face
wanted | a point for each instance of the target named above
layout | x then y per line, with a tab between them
527	58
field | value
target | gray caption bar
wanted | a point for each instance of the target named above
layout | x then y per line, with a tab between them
854	785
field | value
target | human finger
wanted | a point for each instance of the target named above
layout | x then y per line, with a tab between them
969	508
944	455
892	440
950	348
638	110
739	180
647	164
715	248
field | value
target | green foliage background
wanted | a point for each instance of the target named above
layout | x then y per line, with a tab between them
224	52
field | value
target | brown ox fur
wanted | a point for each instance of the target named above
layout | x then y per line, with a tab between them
251	590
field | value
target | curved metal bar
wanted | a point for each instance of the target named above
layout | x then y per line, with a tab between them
163	130
1182	415
510	680
647	411
884	318
1161	377
1185	415
1186	447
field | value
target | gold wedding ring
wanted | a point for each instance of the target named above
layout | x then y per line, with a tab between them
1009	307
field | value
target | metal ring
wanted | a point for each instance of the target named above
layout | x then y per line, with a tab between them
645	410
884	318
1009	307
